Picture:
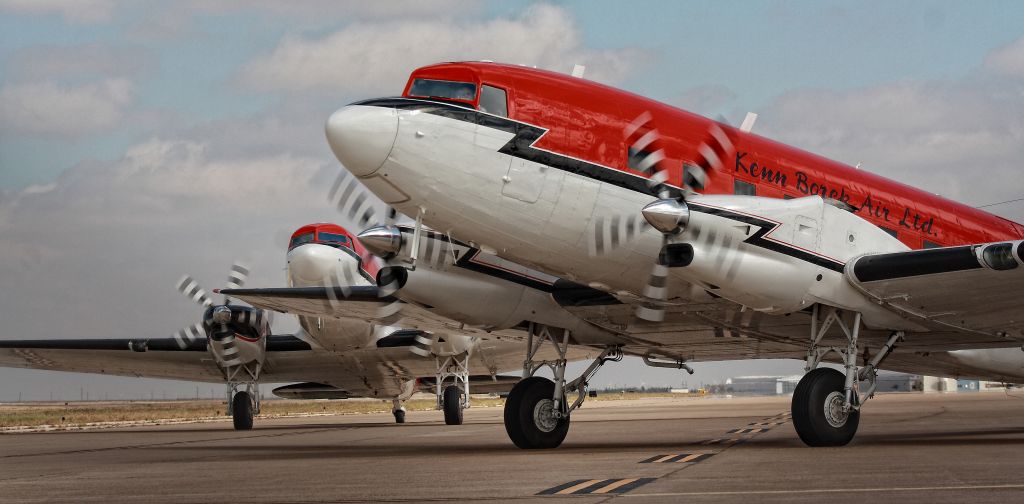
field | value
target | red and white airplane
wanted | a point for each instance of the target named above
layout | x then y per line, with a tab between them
689	240
330	358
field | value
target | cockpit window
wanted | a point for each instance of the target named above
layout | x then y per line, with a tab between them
493	101
333	239
300	240
443	89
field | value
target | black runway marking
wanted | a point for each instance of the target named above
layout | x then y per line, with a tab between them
596	486
681	457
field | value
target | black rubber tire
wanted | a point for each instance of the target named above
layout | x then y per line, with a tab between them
241	411
399	416
451	399
808	409
511	412
519	408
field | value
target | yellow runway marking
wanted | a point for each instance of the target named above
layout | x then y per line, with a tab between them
615	485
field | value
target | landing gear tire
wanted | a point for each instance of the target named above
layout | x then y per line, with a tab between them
452	401
818	414
399	416
529	418
241	411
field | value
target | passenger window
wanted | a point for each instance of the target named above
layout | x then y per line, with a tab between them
493	101
890	232
744	188
931	245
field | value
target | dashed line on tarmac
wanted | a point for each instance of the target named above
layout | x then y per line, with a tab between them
677	458
597	486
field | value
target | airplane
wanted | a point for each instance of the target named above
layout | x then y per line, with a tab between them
696	241
328	358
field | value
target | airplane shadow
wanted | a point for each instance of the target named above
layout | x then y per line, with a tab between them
314	450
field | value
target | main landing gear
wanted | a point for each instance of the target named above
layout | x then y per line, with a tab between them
826	403
243	405
536	410
453	398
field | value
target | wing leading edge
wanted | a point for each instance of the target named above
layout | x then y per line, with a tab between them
969	289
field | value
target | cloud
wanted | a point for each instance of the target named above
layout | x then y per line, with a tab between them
321	10
376	58
705	100
115	236
960	138
76	11
50	109
1007	60
78	63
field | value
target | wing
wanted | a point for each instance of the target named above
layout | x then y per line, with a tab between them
149	358
364	303
972	291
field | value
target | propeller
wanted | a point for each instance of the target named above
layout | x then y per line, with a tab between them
357	204
669	213
353	201
222	313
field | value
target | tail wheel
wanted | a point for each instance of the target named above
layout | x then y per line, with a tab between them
529	415
241	411
452	400
817	408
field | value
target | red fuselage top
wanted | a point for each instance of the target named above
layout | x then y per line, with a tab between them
586	120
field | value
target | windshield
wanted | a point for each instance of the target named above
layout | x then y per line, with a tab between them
443	89
332	238
300	239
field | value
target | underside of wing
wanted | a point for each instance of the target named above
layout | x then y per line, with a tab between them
364	303
968	292
145	358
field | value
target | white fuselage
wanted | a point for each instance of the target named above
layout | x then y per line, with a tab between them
451	170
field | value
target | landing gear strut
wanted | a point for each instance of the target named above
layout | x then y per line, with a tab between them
453	398
244	404
536	410
826	403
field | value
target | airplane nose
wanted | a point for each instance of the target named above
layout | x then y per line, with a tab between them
312	264
361	136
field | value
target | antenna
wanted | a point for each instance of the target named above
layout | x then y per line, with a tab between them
748	122
577	71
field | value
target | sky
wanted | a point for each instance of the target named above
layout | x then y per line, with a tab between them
141	140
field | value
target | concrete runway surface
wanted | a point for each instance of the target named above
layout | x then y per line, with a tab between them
910	448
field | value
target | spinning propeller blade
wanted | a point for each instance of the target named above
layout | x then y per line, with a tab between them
669	214
191	289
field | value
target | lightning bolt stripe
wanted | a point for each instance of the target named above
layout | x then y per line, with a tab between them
522	146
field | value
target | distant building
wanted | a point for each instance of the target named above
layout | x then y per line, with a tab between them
761	385
898	382
784	385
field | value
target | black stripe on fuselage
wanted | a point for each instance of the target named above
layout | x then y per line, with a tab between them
564	291
764	227
521	146
915	263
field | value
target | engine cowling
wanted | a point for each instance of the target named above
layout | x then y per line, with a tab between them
237	335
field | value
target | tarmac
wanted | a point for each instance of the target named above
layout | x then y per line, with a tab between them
910	448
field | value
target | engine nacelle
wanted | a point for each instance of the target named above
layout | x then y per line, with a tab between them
237	335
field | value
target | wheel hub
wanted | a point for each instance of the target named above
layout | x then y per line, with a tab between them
544	415
835	414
